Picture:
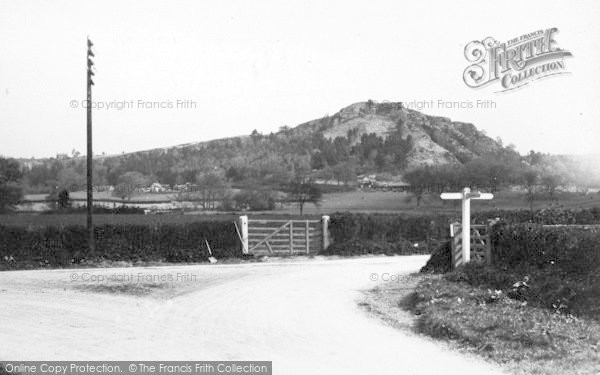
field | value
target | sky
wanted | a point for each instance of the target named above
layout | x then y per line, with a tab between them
174	72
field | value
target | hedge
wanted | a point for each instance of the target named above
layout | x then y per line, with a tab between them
387	227
386	233
554	267
567	250
548	216
395	227
60	246
362	247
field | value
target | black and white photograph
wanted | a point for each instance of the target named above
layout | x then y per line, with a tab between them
299	187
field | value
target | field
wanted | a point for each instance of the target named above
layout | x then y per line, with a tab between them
356	201
106	195
377	201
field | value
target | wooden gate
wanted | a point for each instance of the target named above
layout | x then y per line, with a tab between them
481	247
286	237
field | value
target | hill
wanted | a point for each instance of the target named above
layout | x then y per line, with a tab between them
363	138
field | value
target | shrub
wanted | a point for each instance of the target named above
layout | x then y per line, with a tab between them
539	287
440	260
481	275
254	200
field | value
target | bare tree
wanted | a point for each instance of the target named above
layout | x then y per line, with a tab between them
302	191
529	179
551	182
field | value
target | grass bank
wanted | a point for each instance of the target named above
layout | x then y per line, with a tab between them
525	338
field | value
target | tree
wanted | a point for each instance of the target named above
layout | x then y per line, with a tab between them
60	198
235	174
63	200
11	190
421	181
302	191
212	187
317	161
534	157
254	200
255	136
188	175
166	176
529	179
345	173
70	180
551	182
129	183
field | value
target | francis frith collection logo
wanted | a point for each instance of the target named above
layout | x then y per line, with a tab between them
515	63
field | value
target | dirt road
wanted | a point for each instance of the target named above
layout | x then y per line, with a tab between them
302	315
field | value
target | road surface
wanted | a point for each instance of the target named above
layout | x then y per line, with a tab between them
301	314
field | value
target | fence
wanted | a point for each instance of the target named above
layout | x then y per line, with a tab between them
481	246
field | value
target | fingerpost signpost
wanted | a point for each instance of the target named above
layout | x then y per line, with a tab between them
465	196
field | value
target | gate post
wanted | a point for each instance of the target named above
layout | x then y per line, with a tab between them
325	230
244	233
488	246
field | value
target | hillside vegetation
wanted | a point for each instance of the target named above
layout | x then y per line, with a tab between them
365	137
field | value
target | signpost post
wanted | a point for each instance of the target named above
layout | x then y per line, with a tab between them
465	196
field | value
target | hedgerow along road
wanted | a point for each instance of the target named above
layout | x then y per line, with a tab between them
300	314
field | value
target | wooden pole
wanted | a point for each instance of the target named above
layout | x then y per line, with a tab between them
90	193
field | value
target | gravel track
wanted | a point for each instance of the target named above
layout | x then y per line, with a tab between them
301	314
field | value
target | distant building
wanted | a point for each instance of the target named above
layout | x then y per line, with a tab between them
157	188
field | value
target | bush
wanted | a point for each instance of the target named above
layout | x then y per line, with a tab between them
440	260
481	275
539	287
254	200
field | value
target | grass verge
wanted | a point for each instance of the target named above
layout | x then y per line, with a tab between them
132	289
526	339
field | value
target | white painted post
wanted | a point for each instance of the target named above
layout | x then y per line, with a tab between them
466	225
465	196
325	228
453	227
244	233
307	237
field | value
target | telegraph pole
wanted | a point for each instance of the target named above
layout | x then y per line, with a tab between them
90	193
